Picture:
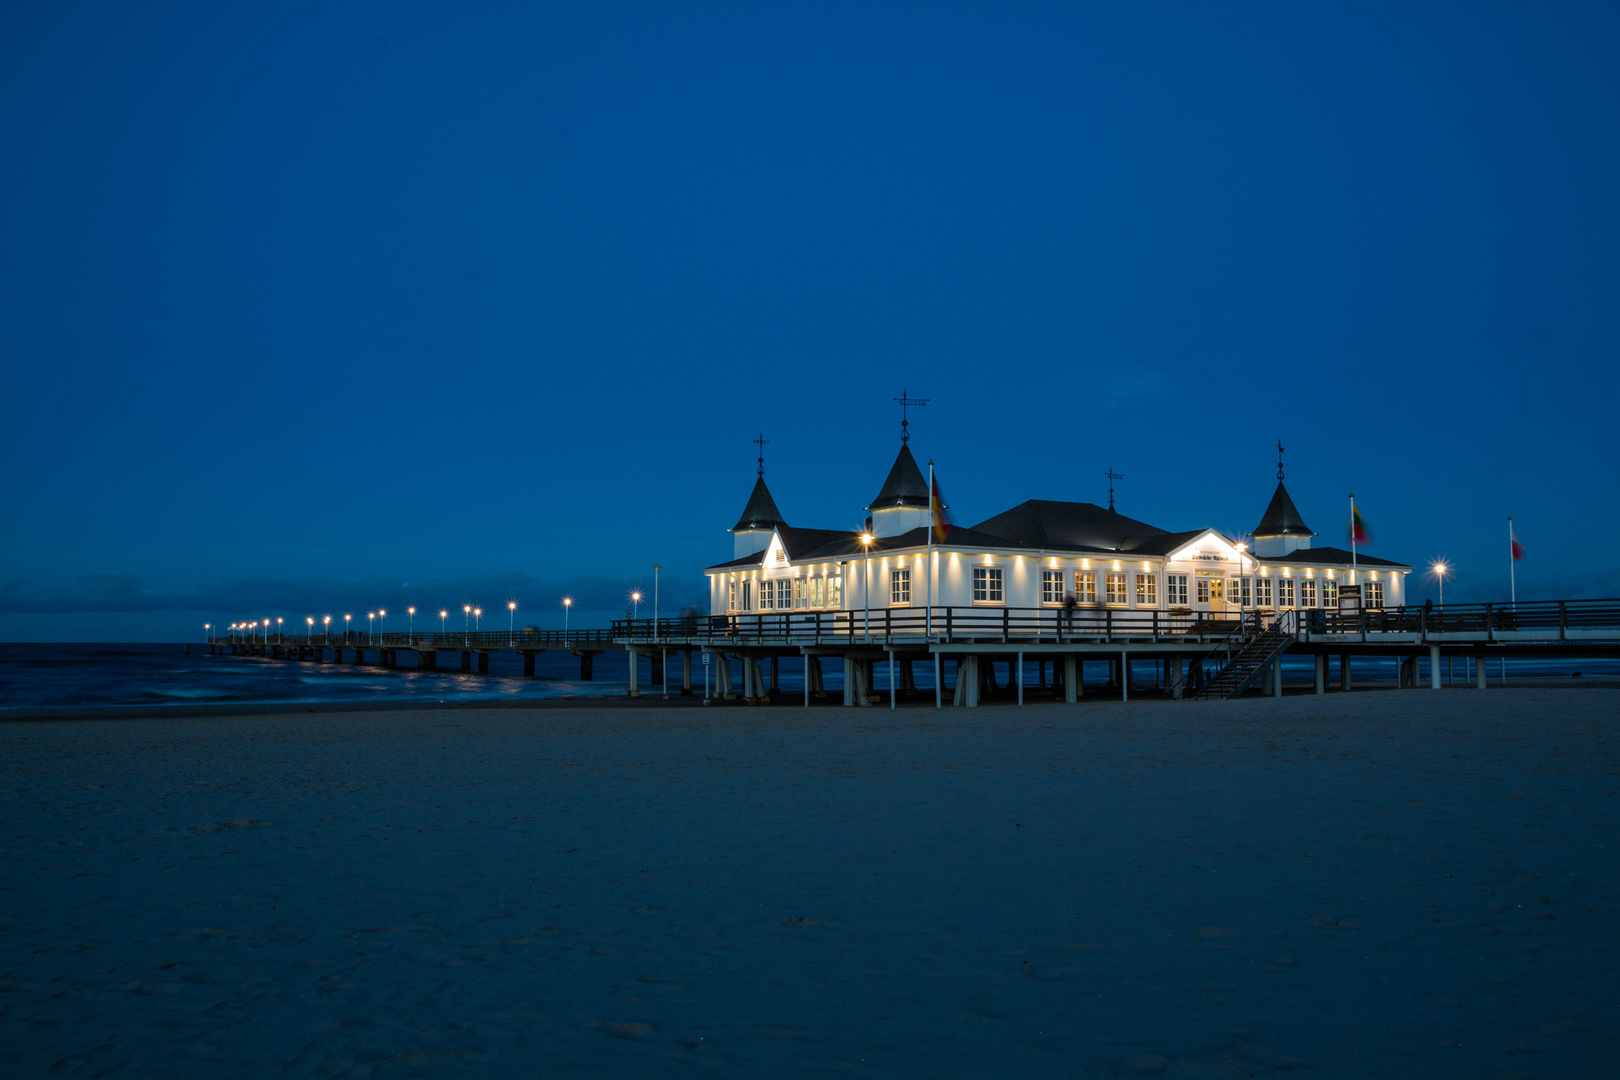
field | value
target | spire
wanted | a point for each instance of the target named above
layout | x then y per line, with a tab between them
1279	460
761	442
905	485
1281	517
1112	476
761	511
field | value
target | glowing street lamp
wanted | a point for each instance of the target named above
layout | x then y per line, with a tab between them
370	615
567	603
207	631
866	588
478	615
279	632
1440	570
442	615
326	626
511	621
1241	548
410	627
466	622
311	621
382	627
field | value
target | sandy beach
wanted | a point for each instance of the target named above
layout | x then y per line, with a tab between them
1365	885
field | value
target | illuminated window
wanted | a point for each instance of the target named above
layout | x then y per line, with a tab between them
1203	590
801	592
1052	586
835	591
1175	590
1114	584
1285	592
899	588
1244	595
1307	593
1330	594
987	585
747	600
1262	592
731	596
1085	586
815	591
1372	594
1147	590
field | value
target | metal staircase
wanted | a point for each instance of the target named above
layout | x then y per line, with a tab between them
1244	667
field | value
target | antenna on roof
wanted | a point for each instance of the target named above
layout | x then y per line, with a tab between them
904	423
1112	476
761	442
1279	460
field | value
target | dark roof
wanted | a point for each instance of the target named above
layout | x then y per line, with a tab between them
747	560
800	542
906	485
1165	543
1281	517
761	511
1042	523
1330	557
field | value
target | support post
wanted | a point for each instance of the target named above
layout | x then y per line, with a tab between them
483	663
894	691
1071	678
1321	673
427	660
466	661
1344	672
1276	677
1434	667
1124	676
1479	670
939	681
686	672
634	656
1020	678
775	672
528	665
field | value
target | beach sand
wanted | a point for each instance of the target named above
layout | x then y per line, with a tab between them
1390	884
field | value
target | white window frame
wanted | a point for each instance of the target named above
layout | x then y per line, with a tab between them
1262	592
1330	594
1085	586
731	596
1372	595
1201	590
1175	590
900	587
1285	592
1117	583
1147	590
747	595
994	587
1307	592
835	591
1052	587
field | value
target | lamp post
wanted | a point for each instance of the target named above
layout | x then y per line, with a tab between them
382	627
311	621
410	626
370	627
478	620
466	623
567	602
656	568
1242	597
1440	570
511	621
280	633
346	620
442	615
635	605
326	626
866	587
208	632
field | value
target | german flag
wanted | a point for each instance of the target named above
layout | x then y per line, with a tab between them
936	513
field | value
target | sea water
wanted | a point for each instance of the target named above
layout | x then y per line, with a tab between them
86	675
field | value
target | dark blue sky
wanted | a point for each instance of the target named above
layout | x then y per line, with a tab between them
310	309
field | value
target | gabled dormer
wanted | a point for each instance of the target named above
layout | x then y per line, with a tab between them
758	522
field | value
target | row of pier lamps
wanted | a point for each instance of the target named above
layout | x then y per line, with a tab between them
471	618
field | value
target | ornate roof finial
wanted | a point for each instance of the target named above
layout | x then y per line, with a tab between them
1112	476
1279	460
761	442
904	400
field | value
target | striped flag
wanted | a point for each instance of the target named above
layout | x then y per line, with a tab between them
936	513
1514	546
1359	533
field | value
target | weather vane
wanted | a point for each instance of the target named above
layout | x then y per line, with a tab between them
1279	460
761	442
1112	476
904	400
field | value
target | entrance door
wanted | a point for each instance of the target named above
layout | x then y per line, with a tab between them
1217	594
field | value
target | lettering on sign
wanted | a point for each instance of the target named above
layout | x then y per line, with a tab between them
1207	556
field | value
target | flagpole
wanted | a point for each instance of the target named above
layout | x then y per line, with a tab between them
1513	586
1352	538
928	571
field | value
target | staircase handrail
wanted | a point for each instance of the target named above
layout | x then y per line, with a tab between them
1223	645
1287	622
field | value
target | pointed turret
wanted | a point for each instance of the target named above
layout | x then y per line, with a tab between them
758	521
902	505
1281	530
